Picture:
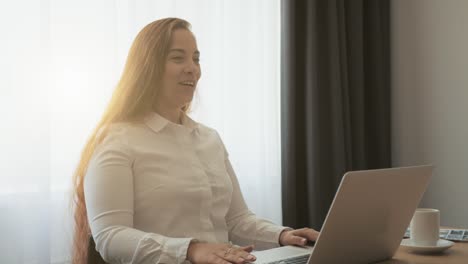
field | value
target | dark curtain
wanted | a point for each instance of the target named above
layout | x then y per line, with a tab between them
335	100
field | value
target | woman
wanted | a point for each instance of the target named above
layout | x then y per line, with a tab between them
154	186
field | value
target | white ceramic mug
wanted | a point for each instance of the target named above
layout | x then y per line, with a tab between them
424	227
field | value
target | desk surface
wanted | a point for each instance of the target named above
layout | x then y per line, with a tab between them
457	254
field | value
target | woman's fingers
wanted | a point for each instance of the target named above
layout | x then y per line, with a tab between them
238	255
307	233
219	260
299	237
230	258
298	240
214	253
243	253
247	248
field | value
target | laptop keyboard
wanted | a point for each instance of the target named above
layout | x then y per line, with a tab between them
294	260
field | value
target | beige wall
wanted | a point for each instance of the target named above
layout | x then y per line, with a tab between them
430	98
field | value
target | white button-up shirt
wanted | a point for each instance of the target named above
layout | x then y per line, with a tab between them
154	186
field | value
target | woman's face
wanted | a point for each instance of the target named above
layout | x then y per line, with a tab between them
182	71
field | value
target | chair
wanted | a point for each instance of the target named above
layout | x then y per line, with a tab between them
93	256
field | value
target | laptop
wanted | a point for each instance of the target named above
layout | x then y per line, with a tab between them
366	221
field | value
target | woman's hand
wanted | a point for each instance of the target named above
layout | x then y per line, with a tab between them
208	253
297	237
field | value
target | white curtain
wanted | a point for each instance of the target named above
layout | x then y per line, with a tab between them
60	61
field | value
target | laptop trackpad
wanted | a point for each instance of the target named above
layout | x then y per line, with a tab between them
280	253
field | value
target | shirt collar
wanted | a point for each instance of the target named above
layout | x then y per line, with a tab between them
156	122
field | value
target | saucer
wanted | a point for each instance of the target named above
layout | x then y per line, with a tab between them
442	245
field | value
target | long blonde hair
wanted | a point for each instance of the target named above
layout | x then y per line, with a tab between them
133	98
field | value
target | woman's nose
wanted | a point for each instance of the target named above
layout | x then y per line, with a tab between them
191	67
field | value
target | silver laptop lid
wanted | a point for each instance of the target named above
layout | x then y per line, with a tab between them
369	214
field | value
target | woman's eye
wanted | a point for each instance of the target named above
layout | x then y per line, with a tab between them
177	58
197	60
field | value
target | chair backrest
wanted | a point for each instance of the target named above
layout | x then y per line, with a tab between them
93	256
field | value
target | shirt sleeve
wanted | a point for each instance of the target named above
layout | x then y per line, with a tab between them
109	197
245	228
